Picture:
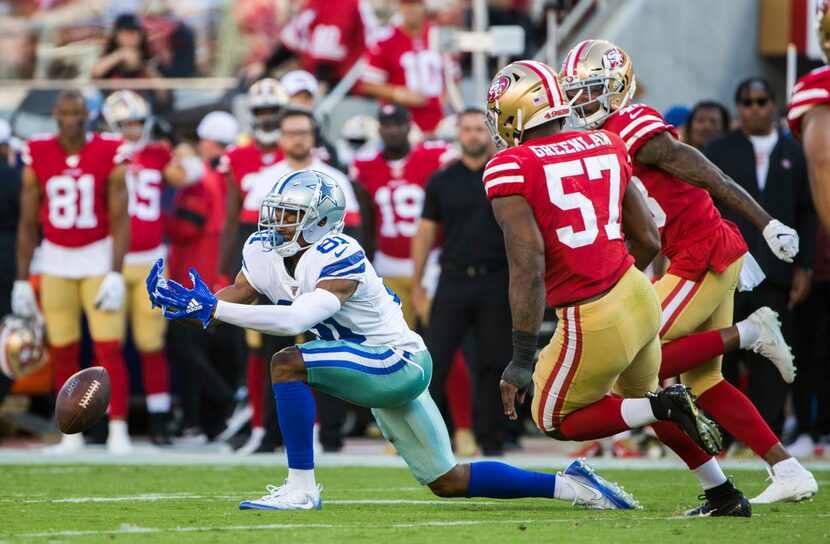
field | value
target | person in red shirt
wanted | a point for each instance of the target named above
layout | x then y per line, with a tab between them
708	256
195	229
403	69
152	165
390	184
568	211
73	185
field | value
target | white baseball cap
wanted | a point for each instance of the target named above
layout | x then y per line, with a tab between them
298	81
219	126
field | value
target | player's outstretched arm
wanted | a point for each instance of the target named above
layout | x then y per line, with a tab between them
815	136
639	227
684	161
526	257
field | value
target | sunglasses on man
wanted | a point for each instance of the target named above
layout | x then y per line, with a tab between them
760	102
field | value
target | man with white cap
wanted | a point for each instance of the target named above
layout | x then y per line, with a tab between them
194	231
303	90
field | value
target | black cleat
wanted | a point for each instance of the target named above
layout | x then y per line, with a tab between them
733	504
676	403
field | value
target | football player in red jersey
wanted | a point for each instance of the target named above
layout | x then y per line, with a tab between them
403	69
568	211
390	185
73	185
708	256
151	167
809	117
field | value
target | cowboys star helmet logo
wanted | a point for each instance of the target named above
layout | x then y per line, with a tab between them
326	192
614	58
497	88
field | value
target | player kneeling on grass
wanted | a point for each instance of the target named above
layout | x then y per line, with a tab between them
320	281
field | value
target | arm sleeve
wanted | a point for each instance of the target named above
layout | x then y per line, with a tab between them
503	175
306	311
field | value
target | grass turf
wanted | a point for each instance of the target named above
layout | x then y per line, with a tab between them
66	503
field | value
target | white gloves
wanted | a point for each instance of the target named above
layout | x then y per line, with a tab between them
782	240
24	302
110	295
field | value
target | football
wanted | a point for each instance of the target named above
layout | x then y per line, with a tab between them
82	400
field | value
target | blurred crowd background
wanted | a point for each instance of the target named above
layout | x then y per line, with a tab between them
391	81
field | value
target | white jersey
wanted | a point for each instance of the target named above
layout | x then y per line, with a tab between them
372	316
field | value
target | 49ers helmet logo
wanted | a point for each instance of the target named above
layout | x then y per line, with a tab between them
613	59
497	88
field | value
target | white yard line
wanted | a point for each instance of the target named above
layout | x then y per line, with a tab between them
152	497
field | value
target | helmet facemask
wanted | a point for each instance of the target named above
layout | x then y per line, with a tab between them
595	98
265	125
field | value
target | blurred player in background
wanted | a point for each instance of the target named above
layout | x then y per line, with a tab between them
320	280
403	69
708	257
152	166
359	133
73	185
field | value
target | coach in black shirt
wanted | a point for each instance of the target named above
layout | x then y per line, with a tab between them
472	290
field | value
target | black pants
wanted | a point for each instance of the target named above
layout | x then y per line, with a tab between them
767	391
811	389
481	303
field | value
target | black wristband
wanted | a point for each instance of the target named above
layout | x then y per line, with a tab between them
524	348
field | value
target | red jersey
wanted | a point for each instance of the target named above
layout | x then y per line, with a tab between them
397	189
334	32
145	181
693	235
74	209
574	182
810	91
244	163
400	59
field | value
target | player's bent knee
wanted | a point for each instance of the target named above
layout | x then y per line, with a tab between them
287	366
452	484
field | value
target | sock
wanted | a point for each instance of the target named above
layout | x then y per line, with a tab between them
747	332
564	490
689	352
296	412
65	363
459	393
110	357
304	479
154	373
709	474
680	443
788	467
158	403
256	384
502	481
600	419
720	492
637	412
736	413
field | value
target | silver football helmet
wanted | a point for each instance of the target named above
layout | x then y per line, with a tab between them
309	201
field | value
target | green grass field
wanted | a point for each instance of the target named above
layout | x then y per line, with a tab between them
89	503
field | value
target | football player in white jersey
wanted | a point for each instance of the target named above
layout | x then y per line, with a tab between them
321	281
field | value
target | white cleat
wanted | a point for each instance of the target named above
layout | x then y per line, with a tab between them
69	444
253	443
595	492
789	487
286	497
803	447
118	441
771	343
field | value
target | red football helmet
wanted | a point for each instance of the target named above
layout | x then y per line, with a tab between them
22	345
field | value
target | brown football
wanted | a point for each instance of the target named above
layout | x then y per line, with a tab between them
82	400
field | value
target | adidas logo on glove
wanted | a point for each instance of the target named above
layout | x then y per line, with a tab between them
193	306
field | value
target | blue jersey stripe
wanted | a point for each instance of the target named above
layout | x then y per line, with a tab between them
359	270
356	366
343	264
345	332
348	349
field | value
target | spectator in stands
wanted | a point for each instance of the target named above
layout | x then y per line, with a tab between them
472	290
9	211
677	117
403	69
771	167
194	231
328	36
302	89
127	53
708	120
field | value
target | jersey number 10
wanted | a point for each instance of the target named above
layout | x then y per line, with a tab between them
593	167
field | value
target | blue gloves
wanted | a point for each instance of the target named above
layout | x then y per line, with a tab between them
155	279
182	303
